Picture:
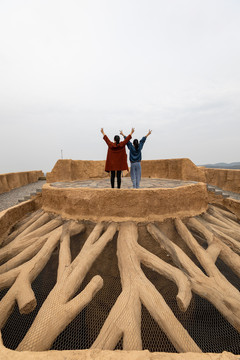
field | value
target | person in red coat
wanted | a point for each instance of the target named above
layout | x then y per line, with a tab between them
116	156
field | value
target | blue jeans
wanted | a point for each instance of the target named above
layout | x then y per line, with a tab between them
136	174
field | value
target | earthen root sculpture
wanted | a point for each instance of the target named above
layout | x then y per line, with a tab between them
26	251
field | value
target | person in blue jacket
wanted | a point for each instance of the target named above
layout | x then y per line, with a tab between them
135	149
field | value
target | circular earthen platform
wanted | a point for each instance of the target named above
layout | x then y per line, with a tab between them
156	200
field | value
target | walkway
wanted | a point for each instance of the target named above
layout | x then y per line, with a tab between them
224	193
12	197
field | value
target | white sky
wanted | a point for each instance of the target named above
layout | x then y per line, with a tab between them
70	67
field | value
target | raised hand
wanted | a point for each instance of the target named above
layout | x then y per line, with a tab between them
149	132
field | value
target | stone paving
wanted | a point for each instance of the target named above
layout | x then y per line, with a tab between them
223	193
146	183
12	197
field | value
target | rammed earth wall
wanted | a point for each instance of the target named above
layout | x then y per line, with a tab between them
70	170
12	215
125	204
224	178
182	169
14	180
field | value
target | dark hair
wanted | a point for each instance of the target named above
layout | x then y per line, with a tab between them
135	143
117	139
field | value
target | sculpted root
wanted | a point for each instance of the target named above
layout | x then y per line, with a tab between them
214	286
60	307
125	317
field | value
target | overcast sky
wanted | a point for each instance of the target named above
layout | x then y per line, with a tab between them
70	67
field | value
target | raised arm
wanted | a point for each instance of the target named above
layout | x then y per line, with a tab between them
105	138
149	133
142	141
132	131
121	133
127	138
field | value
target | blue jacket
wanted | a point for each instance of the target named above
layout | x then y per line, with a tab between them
136	155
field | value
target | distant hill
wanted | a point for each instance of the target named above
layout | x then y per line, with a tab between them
233	165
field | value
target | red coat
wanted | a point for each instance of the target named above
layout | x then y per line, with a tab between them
116	156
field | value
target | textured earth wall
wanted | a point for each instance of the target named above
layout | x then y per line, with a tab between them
70	170
125	204
224	178
10	216
14	180
182	169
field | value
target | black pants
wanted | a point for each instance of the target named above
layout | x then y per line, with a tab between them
119	172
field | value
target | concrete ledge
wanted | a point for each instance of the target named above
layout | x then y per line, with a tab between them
124	204
14	180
